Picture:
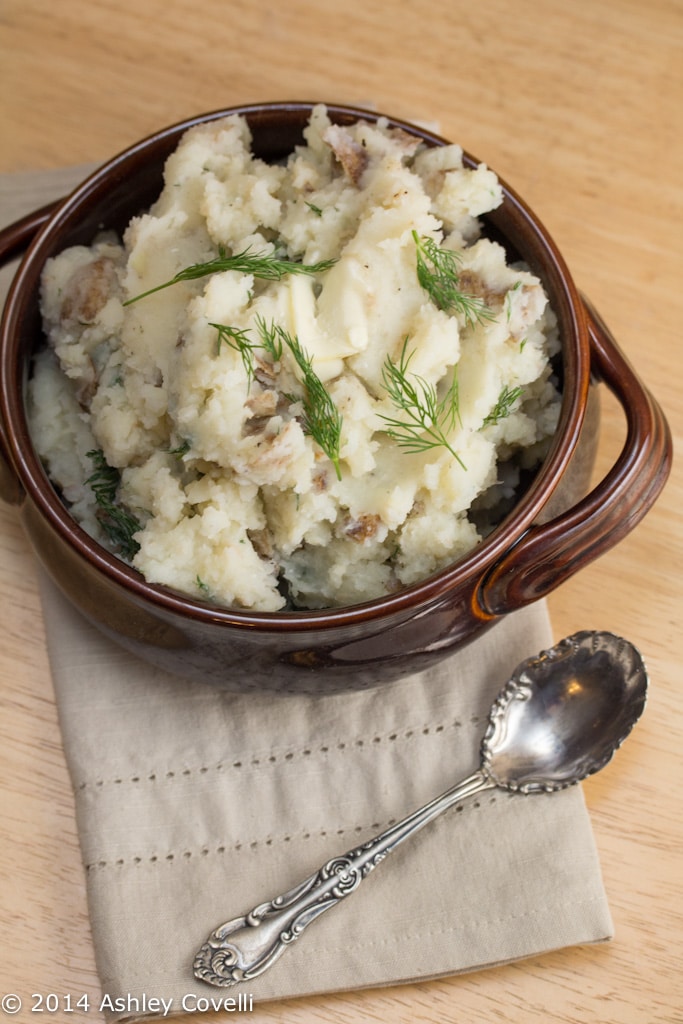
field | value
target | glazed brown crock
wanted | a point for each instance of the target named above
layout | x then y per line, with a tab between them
552	532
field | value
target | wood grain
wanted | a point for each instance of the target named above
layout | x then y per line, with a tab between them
578	107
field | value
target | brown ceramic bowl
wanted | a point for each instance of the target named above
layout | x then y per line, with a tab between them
554	530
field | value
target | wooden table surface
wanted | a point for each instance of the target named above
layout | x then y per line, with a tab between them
578	106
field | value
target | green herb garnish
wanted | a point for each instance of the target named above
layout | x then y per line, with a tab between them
182	449
321	417
271	338
508	300
202	587
238	340
427	420
263	265
503	407
116	520
438	274
314	209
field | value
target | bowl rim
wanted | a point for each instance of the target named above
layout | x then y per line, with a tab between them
434	588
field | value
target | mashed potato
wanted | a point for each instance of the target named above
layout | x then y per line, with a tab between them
323	437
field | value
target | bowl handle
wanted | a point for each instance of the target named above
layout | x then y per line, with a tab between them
13	239
547	555
16	236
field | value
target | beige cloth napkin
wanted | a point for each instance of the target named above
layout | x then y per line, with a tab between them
196	805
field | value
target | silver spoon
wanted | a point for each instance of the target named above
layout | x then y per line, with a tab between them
559	719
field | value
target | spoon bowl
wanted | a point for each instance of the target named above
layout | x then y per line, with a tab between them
560	718
564	713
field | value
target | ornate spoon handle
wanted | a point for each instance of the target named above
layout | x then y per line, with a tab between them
247	946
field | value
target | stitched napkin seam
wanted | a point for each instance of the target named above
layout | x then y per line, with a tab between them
157	776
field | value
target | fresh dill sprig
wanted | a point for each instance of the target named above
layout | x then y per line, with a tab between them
263	265
321	418
271	338
239	340
427	420
503	407
116	520
438	273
